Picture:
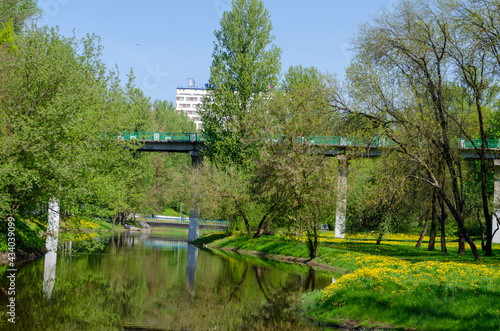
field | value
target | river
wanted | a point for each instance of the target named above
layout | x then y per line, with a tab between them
137	281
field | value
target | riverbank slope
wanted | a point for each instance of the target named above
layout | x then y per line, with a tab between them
393	283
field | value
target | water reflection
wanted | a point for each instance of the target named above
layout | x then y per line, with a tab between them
49	274
50	260
139	281
191	261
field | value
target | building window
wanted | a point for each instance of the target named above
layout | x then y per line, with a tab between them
192	99
180	98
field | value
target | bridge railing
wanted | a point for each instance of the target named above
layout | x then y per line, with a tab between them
314	140
162	136
176	220
490	143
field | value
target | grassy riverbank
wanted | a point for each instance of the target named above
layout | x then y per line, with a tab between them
30	234
393	284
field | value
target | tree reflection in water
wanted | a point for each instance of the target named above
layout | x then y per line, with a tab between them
137	282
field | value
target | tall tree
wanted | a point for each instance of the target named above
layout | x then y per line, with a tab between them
245	66
400	81
475	53
54	108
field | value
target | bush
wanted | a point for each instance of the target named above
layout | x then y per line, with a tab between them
27	238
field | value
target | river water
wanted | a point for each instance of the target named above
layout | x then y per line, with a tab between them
157	282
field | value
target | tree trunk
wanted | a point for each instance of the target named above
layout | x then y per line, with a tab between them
422	234
461	244
245	218
263	225
432	237
442	225
482	158
379	239
313	245
483	247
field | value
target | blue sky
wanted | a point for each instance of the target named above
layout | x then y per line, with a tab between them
166	42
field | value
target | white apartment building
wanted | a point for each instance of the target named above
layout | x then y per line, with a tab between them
189	100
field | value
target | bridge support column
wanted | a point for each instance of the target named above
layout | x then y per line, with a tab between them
52	225
496	203
194	222
340	212
194	210
49	270
196	158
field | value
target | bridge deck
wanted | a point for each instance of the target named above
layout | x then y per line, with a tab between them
184	222
335	145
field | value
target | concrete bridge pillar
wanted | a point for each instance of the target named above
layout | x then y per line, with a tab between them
196	158
49	270
194	222
496	203
53	222
340	213
194	209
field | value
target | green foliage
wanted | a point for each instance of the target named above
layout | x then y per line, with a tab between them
244	66
27	236
297	76
19	12
7	36
167	120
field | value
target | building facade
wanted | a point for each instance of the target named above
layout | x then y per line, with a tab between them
189	100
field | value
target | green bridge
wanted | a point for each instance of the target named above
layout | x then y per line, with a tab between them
171	137
337	146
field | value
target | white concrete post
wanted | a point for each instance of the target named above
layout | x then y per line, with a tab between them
340	212
49	270
496	203
194	223
52	225
194	209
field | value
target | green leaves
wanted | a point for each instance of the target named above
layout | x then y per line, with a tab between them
245	65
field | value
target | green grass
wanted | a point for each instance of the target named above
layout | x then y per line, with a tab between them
209	238
393	284
265	244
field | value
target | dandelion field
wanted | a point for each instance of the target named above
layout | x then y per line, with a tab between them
394	284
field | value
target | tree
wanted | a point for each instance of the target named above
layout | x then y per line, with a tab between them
399	81
475	53
245	66
55	107
292	177
300	76
18	11
167	120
